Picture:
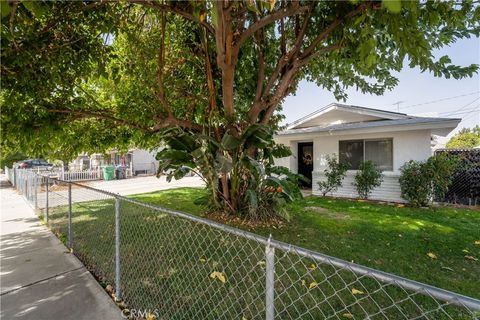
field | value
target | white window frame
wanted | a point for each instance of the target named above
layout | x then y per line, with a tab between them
363	141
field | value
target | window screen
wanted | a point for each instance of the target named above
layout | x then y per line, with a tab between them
351	152
380	152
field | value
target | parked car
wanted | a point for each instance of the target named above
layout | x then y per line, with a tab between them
33	164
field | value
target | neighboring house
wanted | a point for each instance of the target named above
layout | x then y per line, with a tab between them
356	134
82	162
140	161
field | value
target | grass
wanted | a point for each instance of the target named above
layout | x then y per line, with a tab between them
166	261
386	237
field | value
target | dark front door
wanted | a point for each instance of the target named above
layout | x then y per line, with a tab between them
305	161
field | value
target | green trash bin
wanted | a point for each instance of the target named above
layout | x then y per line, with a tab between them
108	173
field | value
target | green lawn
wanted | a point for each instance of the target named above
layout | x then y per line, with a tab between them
385	237
167	261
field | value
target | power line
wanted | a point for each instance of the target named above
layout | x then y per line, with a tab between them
443	99
463	107
467	111
465	118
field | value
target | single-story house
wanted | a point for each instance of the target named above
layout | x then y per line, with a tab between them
356	134
140	161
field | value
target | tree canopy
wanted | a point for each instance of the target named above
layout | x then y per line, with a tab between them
465	138
88	76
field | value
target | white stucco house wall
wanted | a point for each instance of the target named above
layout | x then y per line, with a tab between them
356	134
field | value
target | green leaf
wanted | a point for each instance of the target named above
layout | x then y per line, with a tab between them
230	142
224	164
252	198
174	156
371	59
182	142
181	172
392	5
251	6
4	8
281	151
35	7
214	13
254	165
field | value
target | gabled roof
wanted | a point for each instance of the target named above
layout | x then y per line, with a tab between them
372	118
377	113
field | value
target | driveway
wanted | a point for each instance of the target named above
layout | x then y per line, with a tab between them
136	185
58	195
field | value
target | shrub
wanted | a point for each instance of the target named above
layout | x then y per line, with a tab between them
335	172
442	167
367	178
415	183
420	182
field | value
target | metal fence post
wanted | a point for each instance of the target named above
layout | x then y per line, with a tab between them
25	190
118	293
270	281
70	236
35	191
46	201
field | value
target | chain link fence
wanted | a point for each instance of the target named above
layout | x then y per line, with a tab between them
465	187
173	265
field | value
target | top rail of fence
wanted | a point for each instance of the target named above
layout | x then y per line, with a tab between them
437	293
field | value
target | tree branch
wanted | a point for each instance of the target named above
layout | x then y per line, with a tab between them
173	122
161	62
272	17
328	30
169	8
290	55
300	59
99	115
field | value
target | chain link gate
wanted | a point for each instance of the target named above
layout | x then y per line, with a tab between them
177	266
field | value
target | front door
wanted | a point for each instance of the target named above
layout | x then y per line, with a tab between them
305	161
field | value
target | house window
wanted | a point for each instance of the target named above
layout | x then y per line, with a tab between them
351	151
380	151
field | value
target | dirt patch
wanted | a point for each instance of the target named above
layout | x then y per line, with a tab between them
250	224
328	213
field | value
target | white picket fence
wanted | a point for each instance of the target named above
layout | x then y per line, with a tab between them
81	175
86	175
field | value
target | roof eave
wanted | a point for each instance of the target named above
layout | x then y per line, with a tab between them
348	108
430	124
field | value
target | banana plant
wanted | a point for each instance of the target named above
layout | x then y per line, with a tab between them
255	187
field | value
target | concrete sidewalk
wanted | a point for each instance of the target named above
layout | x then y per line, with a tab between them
39	278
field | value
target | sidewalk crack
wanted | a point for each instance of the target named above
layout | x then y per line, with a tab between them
38	281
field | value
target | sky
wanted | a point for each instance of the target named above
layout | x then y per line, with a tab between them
414	88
